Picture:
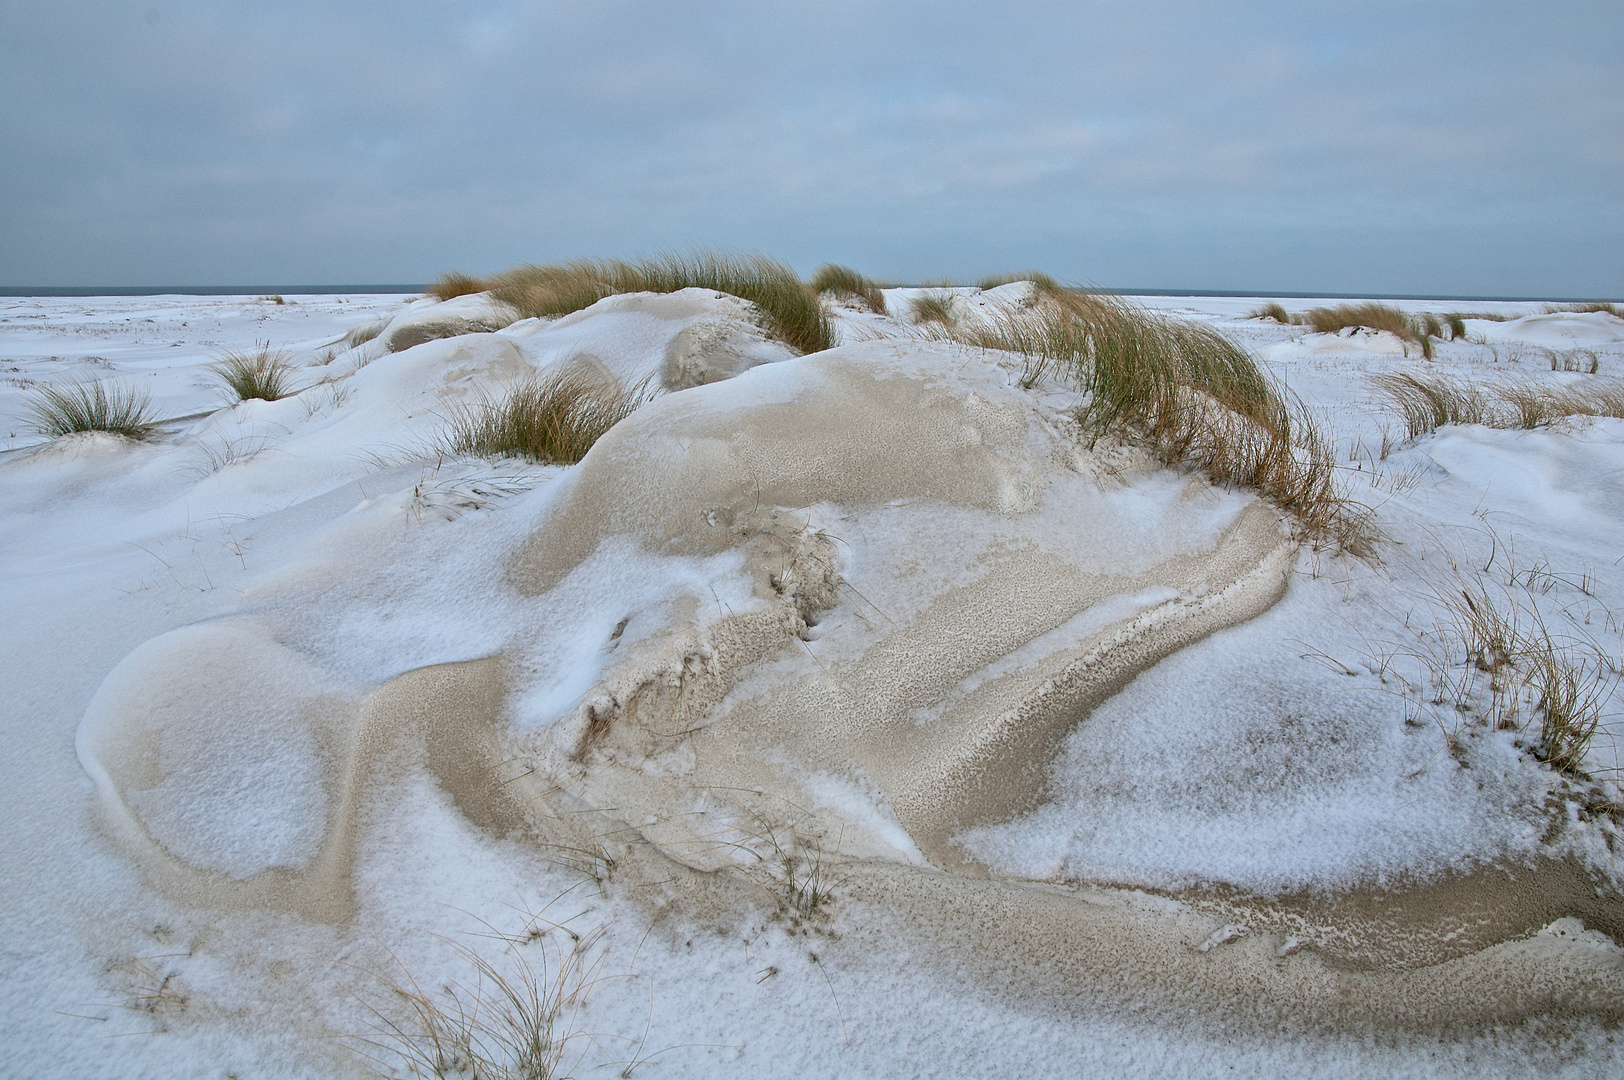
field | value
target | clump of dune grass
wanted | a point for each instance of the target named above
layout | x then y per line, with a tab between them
1196	396
454	284
1272	311
1043	283
260	373
843	281
1491	657
513	1020
936	307
93	406
1589	307
553	420
1328	320
789	309
1426	403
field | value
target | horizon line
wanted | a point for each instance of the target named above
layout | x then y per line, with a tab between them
23	291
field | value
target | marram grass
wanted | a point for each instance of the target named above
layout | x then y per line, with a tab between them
936	307
790	310
259	373
1412	331
843	281
1196	396
94	406
553	420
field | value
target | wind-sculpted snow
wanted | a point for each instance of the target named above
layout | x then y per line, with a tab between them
864	697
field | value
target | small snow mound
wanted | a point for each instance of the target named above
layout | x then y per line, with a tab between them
1559	329
427	319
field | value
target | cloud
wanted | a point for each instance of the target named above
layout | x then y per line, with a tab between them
1384	148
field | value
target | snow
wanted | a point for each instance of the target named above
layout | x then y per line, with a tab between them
260	763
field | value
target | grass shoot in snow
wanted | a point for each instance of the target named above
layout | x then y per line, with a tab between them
1271	311
553	420
843	281
934	308
790	310
1328	320
453	284
1426	403
1198	397
93	406
257	373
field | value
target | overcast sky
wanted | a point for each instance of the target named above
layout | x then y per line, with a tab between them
1443	148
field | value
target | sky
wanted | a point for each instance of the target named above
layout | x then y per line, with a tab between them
1421	148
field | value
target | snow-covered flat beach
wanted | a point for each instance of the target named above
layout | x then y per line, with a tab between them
859	712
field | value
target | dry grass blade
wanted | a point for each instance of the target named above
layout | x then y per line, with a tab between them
454	284
1271	311
553	420
790	310
261	373
843	281
508	1025
93	406
1374	316
933	308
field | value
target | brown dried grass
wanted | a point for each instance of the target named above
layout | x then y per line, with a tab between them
1196	396
1426	403
1328	320
789	309
455	284
553	420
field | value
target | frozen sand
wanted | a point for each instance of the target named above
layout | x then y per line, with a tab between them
861	597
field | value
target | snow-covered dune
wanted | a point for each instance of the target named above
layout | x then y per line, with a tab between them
859	710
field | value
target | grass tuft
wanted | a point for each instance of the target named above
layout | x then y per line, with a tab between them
1588	308
1492	656
1329	320
1427	403
1044	283
513	1021
553	420
1273	311
93	406
455	284
1198	398
933	308
843	281
259	374
789	309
